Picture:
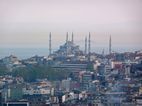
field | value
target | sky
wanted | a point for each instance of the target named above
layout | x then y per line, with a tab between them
27	23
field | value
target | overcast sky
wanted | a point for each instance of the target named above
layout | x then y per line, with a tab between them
27	23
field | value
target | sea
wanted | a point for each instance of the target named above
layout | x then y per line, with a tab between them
23	53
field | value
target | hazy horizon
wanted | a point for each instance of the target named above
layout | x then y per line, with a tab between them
23	53
27	23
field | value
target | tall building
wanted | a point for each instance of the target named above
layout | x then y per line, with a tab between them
50	44
110	45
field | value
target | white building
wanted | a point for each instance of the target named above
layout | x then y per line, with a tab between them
66	85
40	88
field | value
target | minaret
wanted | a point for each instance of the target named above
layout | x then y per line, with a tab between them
85	45
67	37
103	52
67	44
110	45
50	43
89	43
72	38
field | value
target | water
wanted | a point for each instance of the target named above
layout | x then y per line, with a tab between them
23	53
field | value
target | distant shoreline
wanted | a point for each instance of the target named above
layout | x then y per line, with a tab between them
23	53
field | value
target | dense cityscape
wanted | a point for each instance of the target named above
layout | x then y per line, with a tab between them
72	77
